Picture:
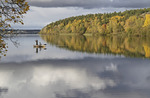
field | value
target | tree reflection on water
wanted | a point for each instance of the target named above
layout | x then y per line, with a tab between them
120	45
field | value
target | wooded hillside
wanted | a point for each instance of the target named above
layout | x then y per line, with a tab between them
133	22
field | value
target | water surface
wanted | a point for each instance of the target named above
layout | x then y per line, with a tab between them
67	70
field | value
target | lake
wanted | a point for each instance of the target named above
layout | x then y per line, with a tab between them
75	67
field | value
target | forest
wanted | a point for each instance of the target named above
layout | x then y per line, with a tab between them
131	22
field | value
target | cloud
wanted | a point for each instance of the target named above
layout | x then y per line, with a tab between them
91	4
76	78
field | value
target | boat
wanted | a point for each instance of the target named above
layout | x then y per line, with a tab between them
39	46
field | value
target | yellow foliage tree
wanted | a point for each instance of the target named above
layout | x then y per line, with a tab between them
116	18
130	23
114	25
3	47
147	51
12	11
147	20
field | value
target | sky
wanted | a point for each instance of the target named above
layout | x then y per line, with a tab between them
43	12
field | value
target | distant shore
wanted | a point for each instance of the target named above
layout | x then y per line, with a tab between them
22	31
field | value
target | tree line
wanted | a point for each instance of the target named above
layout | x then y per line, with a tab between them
133	22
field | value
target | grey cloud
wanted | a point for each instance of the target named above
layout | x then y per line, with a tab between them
91	3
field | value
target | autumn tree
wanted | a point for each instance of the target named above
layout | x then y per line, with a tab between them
115	24
3	47
11	11
147	20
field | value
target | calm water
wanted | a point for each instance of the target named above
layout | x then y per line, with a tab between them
75	67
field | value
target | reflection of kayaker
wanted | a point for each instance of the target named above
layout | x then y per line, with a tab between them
40	45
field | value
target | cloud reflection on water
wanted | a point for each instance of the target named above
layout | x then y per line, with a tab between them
86	78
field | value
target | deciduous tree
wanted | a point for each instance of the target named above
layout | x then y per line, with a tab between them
11	11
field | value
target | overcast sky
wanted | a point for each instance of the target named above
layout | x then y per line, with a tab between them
43	12
91	3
